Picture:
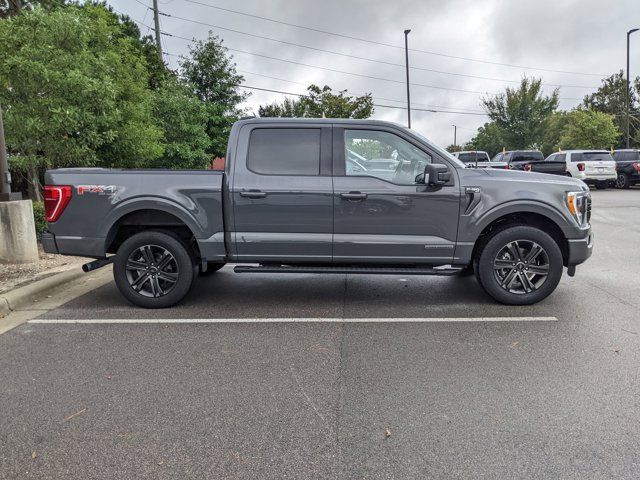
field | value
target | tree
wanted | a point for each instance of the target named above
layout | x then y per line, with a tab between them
587	129
553	129
288	108
611	98
183	120
488	139
520	113
214	79
454	148
74	89
321	103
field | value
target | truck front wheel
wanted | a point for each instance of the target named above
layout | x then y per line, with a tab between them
520	265
153	269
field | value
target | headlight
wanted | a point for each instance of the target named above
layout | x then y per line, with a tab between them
579	204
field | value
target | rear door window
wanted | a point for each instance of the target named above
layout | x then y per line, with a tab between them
284	151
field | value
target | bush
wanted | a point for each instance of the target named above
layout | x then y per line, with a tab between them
39	218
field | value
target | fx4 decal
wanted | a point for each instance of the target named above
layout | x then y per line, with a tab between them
97	189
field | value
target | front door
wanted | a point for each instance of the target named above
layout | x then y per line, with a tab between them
282	193
381	215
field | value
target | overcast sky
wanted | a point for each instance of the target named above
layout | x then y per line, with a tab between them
539	37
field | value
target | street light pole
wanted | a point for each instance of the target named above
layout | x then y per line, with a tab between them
406	58
5	181
628	81
455	135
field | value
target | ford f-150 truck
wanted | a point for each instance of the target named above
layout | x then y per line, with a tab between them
290	201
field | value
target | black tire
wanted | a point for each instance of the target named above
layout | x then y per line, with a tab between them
496	264
168	278
211	268
622	181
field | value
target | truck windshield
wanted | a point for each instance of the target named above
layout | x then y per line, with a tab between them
472	156
527	157
440	150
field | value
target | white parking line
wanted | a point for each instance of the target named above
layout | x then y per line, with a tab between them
291	320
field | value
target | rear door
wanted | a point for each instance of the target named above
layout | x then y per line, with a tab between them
382	215
282	193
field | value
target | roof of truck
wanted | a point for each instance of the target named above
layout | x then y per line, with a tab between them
346	121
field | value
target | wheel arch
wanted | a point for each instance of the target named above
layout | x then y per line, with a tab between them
150	218
522	217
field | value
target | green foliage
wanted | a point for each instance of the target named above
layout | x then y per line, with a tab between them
611	98
288	108
321	103
183	119
554	127
489	139
520	113
213	76
371	149
73	86
454	148
587	129
39	218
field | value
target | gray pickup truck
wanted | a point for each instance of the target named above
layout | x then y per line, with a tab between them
300	196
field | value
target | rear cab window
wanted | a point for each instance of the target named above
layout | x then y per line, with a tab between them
284	151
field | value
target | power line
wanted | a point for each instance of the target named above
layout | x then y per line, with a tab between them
342	71
362	58
375	42
375	104
373	77
375	98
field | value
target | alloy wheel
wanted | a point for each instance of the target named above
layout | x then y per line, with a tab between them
521	266
152	271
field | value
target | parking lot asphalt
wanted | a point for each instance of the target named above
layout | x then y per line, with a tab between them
552	392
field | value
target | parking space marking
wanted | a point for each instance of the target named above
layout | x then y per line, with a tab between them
291	320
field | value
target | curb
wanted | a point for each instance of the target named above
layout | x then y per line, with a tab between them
14	299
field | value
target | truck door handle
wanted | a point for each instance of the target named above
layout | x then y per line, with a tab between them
253	194
354	196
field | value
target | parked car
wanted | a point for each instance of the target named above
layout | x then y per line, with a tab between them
517	159
627	167
593	167
554	164
478	159
288	203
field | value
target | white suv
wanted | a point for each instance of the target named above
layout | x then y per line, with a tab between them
594	167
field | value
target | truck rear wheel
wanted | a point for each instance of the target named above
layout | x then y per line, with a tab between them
153	269
520	265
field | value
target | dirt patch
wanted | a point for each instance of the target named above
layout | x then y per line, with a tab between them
16	275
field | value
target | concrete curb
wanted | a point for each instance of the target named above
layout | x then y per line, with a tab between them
14	299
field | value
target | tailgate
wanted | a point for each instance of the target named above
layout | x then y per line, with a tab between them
600	167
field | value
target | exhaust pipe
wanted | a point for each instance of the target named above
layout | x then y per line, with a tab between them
99	263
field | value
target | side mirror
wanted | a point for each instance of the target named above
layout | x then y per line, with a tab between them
436	174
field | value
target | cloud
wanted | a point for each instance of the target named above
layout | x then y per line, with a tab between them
570	35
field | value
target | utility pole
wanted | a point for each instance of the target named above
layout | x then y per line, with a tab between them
628	81
5	182
406	58
156	23
455	135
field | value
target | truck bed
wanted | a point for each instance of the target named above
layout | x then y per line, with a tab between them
102	198
553	168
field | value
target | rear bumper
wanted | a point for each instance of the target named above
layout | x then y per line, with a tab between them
73	246
579	249
49	243
595	177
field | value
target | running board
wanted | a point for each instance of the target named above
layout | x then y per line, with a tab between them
352	270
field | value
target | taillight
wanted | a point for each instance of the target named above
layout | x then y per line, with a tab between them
581	167
56	200
507	167
527	168
637	167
